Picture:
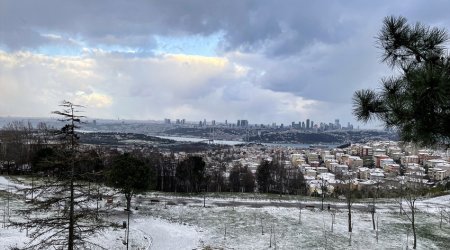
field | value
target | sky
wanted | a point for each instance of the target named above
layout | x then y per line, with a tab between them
263	60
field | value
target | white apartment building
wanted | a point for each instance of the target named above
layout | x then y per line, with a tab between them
297	159
440	172
409	159
340	169
312	157
332	166
376	174
432	163
379	151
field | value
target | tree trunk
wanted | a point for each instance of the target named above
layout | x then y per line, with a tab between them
128	197
323	197
72	199
373	219
413	227
349	218
71	215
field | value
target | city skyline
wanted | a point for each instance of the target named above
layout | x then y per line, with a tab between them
308	124
260	61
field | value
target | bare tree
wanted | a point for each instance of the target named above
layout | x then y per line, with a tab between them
410	193
349	197
373	207
14	146
323	189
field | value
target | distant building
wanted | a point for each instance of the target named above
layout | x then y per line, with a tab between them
242	123
366	151
166	121
336	123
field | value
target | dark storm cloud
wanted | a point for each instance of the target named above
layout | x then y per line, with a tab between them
273	27
131	23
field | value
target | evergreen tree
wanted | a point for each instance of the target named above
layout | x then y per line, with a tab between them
190	174
248	180
415	102
62	214
130	175
234	179
263	176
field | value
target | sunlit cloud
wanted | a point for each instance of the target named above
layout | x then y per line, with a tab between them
93	100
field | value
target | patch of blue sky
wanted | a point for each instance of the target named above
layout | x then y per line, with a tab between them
61	50
189	45
55	50
59	44
3	47
63	45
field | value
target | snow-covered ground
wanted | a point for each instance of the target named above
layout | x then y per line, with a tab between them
223	224
151	233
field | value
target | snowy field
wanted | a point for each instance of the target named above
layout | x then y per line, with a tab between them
233	223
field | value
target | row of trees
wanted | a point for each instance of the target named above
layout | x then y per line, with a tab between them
41	158
273	177
19	142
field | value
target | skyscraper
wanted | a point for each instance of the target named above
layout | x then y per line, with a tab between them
336	124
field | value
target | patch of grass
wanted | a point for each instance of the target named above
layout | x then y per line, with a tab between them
434	233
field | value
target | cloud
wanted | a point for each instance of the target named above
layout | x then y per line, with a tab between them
261	60
92	100
270	27
112	85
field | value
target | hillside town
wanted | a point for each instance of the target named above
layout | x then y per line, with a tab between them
382	164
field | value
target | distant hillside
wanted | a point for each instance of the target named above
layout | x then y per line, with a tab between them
120	139
297	137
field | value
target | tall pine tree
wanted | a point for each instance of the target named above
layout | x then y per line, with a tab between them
62	213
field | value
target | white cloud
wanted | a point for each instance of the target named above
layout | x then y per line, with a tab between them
95	100
173	85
